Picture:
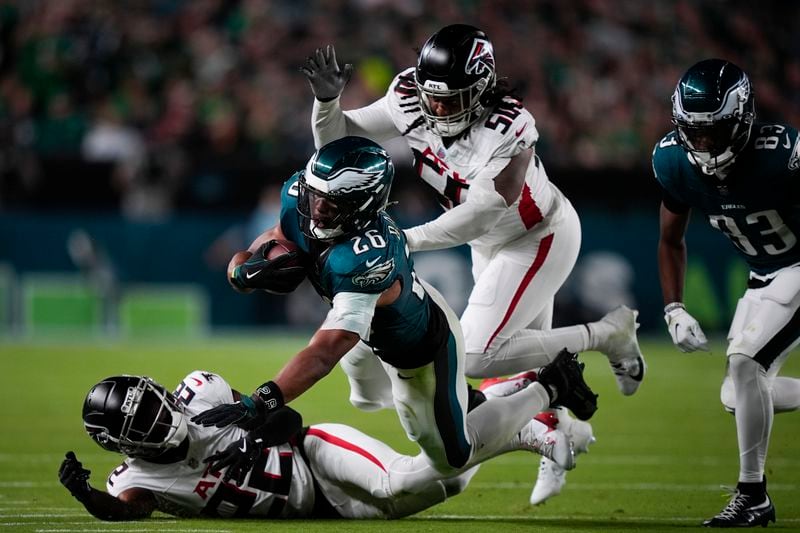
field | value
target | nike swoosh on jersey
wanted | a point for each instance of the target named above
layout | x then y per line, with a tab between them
251	275
371	263
519	131
243	447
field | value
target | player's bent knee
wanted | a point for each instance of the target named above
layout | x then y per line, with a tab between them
727	395
455	485
476	365
364	404
742	369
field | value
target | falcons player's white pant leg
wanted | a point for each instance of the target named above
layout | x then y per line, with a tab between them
763	332
353	469
514	290
370	387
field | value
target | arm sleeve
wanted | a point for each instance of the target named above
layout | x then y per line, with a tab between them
465	222
329	122
352	311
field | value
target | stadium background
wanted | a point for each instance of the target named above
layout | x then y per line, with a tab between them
142	142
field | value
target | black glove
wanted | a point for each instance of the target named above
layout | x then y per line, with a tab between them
279	426
239	457
327	80
74	477
248	413
281	275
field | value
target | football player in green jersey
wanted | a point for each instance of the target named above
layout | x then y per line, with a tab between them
334	210
743	175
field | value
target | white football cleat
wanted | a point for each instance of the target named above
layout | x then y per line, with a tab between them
554	444
549	482
578	431
629	373
615	336
500	387
552	478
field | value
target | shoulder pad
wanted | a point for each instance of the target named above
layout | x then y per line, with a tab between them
509	127
201	390
403	100
370	272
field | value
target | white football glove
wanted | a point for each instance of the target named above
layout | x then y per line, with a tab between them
684	329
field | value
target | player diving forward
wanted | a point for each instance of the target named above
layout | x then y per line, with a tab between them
474	144
277	470
743	175
334	210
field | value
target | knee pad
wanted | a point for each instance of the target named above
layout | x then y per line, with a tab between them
727	395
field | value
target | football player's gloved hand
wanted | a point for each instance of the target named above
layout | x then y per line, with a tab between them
326	78
684	329
239	457
271	275
74	477
248	413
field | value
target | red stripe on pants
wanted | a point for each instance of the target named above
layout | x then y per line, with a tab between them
336	441
538	261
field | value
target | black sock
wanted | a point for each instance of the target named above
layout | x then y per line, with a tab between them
755	490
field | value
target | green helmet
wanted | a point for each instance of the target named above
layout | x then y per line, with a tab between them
344	186
713	113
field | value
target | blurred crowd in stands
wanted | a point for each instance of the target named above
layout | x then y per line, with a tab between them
168	103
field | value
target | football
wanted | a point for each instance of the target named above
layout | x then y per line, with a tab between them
282	247
284	274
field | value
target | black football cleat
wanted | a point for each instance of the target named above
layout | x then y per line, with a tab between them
744	510
565	375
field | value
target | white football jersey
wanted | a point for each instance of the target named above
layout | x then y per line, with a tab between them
279	485
479	154
471	162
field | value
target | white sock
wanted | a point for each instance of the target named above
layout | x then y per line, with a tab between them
753	415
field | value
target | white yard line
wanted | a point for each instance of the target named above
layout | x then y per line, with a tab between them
603	518
673	487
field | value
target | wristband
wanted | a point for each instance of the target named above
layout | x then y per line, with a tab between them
672	306
271	394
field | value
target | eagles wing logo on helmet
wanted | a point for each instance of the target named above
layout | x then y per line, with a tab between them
344	180
374	275
480	58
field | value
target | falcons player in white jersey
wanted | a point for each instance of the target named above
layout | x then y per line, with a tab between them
277	470
473	142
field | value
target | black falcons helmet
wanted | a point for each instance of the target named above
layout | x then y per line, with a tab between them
133	415
713	113
456	66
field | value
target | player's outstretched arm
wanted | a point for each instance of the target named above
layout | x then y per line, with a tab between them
132	504
488	200
302	371
315	361
684	329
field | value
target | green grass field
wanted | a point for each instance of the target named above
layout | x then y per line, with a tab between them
658	463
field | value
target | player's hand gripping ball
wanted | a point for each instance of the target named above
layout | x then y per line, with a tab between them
278	267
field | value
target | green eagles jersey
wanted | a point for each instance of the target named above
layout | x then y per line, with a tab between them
757	206
370	261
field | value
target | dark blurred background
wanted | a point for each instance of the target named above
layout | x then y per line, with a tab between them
143	141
